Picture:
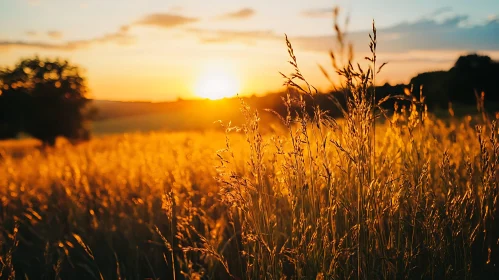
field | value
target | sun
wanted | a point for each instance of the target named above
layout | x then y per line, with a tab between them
217	84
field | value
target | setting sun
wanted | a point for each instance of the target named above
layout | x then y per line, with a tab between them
217	85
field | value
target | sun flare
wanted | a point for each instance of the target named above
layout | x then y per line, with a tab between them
216	85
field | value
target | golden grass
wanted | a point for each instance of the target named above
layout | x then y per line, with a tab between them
276	205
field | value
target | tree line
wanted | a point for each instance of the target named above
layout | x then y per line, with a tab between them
471	78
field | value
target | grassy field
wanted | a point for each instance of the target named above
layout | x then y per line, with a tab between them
373	195
180	116
287	203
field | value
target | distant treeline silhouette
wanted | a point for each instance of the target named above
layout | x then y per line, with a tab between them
470	76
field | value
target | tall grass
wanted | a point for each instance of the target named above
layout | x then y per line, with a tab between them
377	194
346	199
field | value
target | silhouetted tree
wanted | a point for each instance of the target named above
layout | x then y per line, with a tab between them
435	87
474	73
44	98
471	73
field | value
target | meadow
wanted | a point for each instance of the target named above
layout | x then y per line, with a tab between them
376	194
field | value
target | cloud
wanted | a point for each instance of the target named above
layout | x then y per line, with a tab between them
440	11
424	34
328	12
491	18
165	20
25	44
176	8
318	13
31	33
55	34
226	36
240	14
417	59
121	37
124	28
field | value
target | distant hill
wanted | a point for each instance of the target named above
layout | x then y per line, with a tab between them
117	109
119	117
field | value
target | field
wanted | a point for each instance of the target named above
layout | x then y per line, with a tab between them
268	206
376	194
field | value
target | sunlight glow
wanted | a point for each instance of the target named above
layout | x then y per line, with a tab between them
217	84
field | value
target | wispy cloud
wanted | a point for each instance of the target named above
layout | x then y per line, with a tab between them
28	44
416	59
124	28
318	13
234	36
31	33
121	37
421	35
240	14
440	11
54	34
165	20
176	8
424	34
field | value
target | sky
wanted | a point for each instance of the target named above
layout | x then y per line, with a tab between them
163	50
